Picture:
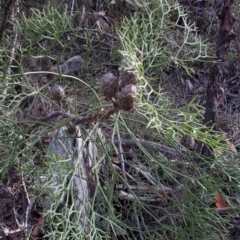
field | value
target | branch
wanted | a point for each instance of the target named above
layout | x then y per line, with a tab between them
226	34
150	146
76	120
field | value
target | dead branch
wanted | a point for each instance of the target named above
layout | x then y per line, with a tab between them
72	149
145	187
120	153
26	205
76	120
131	197
127	174
150	146
81	184
226	34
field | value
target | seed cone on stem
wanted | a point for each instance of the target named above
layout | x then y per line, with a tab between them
127	77
127	97
109	85
58	92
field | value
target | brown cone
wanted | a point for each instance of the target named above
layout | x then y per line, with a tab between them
58	92
128	77
127	97
109	85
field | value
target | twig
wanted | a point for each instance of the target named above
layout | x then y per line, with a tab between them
30	207
131	197
147	175
72	7
26	204
159	190
146	187
14	212
4	231
76	119
127	174
232	95
120	153
121	158
150	146
138	223
91	117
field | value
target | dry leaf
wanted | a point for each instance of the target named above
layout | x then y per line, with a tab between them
220	201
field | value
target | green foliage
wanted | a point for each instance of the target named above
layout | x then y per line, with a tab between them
153	43
157	40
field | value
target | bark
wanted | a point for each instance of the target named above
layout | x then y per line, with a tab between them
71	150
6	11
226	34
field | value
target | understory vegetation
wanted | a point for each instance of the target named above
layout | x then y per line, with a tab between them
119	119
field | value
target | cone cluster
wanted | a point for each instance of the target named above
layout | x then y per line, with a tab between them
127	82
